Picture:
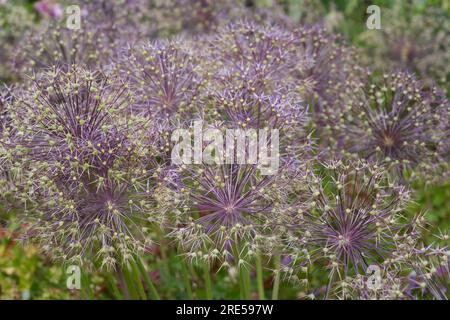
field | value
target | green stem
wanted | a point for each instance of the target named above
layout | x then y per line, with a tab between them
276	282
114	286
187	279
241	286
163	248
138	280
244	277
153	292
207	278
246	282
129	283
122	284
260	277
86	287
242	289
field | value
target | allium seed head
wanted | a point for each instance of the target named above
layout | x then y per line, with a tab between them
352	218
228	208
164	78
413	42
392	122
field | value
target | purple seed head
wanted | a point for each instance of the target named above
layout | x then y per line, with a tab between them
165	78
352	220
89	226
254	57
105	27
89	168
319	64
227	208
413	42
69	124
392	122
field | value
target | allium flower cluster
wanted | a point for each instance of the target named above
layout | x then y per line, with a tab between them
88	184
391	121
413	42
319	64
105	27
412	271
251	85
87	147
164	77
351	221
15	21
227	212
253	56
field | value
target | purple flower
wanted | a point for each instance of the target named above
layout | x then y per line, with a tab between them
49	8
87	165
104	30
97	225
392	122
352	220
227	208
431	266
165	78
251	87
254	57
69	117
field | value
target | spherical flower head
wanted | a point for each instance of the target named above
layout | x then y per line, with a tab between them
71	125
97	226
164	77
431	271
87	166
413	42
253	56
352	218
54	45
391	122
251	87
321	65
225	209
